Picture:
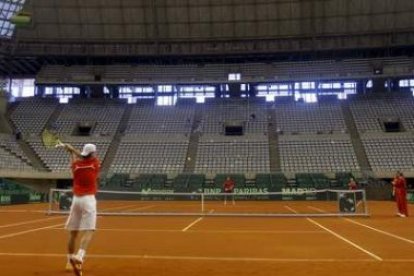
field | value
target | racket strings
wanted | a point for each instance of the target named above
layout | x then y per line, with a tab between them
50	139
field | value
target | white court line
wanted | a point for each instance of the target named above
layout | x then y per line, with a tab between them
195	222
192	224
208	231
370	227
340	237
27	222
346	240
22	211
119	207
316	209
199	258
142	208
290	209
29	231
381	231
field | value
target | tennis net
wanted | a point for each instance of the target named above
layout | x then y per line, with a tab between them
285	203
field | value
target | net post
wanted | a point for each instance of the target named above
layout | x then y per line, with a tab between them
364	198
49	211
202	202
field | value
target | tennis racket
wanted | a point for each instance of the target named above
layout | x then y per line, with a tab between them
51	140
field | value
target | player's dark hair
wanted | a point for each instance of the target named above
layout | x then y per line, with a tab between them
87	156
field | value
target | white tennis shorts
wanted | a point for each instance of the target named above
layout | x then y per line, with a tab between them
82	213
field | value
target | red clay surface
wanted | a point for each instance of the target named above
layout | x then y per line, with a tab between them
32	243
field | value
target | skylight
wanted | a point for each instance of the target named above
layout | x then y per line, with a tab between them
7	9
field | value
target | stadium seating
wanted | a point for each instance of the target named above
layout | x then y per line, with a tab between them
389	151
10	161
160	119
317	153
31	115
103	114
368	112
309	118
218	153
311	138
214	72
9	143
252	113
151	154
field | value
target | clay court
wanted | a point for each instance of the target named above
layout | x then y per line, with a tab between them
32	243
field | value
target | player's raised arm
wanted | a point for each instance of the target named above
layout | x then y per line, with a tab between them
75	153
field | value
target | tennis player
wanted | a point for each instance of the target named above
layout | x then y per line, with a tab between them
228	187
400	192
352	185
82	218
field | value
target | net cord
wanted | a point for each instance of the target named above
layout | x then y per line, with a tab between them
202	198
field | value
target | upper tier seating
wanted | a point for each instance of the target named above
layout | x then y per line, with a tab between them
389	151
216	112
309	118
151	153
103	114
317	153
218	153
32	114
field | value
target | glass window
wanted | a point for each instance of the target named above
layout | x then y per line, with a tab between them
7	9
22	88
165	88
308	97
166	100
234	77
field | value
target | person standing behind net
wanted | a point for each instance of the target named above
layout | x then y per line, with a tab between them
400	192
352	185
82	217
228	187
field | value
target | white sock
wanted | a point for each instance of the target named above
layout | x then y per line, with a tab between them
81	254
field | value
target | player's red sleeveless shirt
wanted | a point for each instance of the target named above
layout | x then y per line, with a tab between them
85	174
229	185
400	183
352	185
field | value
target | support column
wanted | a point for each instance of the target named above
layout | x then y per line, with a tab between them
378	85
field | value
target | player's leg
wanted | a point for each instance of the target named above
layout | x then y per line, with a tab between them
400	204
72	225
88	226
403	205
84	244
71	247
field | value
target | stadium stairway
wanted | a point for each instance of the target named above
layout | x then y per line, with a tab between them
274	154
32	158
113	147
4	125
193	143
53	117
359	149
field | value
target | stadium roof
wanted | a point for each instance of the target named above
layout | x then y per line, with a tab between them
96	31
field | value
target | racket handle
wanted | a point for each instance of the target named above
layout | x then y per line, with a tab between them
60	145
